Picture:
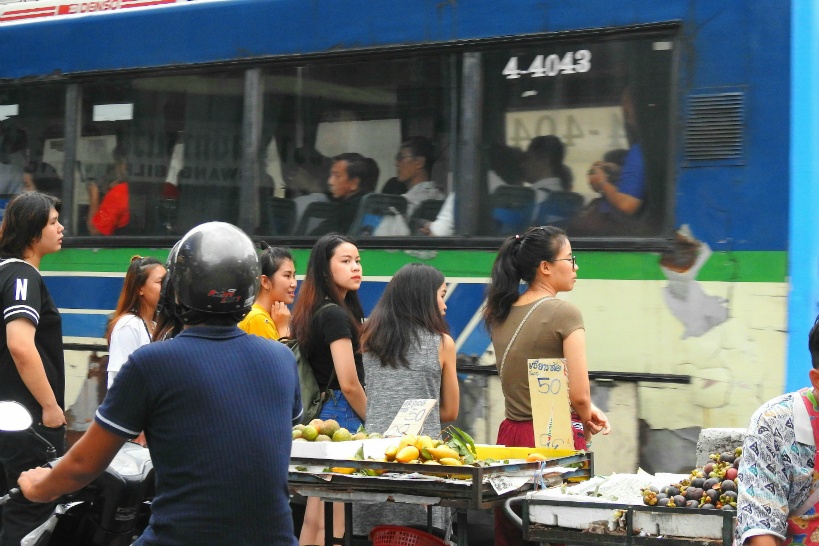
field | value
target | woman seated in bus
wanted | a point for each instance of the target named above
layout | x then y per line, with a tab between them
114	213
270	316
536	324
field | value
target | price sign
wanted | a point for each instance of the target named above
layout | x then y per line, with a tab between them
410	418
551	413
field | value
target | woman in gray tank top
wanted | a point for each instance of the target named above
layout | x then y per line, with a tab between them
408	355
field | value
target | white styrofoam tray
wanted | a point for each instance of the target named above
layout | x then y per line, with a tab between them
373	448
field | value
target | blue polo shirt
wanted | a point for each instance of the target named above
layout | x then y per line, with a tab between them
217	407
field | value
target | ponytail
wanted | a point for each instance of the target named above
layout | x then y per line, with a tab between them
503	289
518	260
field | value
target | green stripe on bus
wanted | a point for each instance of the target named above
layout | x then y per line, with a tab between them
762	266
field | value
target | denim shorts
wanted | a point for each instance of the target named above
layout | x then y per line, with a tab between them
336	407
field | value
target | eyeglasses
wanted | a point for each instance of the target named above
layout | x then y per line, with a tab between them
573	259
401	157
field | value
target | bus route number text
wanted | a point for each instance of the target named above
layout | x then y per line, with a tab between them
572	62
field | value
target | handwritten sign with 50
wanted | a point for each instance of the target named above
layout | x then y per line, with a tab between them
549	394
410	418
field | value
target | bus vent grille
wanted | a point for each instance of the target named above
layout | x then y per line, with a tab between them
714	128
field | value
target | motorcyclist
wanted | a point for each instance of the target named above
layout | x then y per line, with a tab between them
216	406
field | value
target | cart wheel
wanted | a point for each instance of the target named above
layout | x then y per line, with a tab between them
513	517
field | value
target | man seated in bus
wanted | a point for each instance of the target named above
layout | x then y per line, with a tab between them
114	213
13	160
345	183
413	165
623	196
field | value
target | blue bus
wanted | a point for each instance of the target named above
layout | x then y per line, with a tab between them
233	111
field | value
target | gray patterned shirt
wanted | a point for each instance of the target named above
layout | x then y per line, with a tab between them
776	469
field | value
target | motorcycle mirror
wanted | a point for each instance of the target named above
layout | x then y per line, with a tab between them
14	417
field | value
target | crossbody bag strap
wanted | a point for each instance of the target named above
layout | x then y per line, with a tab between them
332	373
515	335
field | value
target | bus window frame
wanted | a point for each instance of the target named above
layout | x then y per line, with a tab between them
464	154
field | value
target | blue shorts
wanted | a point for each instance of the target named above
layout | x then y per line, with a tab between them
337	407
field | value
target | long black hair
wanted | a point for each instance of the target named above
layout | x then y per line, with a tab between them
23	222
318	287
272	257
409	303
518	260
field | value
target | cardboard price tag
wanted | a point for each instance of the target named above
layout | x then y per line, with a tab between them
410	418
551	412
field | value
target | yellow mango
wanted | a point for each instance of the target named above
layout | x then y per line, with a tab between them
423	442
408	440
443	452
449	461
407	454
339	470
390	453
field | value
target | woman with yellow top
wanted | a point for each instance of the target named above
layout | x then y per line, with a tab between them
270	316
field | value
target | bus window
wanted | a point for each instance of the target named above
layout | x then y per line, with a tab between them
318	112
159	155
29	120
578	135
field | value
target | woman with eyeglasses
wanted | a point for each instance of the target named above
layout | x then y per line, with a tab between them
536	324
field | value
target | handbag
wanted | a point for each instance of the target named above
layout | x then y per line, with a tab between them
312	397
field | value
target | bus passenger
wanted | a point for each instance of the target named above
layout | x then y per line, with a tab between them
14	161
346	174
536	324
270	317
114	212
413	165
543	167
326	322
32	369
408	355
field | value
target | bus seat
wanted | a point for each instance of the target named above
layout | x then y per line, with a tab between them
512	208
281	216
372	209
319	218
558	208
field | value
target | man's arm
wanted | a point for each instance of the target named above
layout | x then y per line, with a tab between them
763	540
93	207
89	457
20	339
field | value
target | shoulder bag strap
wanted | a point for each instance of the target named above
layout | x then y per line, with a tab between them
332	373
515	335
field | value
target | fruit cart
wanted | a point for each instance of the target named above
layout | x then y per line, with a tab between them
461	487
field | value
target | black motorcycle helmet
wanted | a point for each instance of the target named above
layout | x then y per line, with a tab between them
212	270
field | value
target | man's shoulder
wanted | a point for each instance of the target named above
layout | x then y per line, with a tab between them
779	408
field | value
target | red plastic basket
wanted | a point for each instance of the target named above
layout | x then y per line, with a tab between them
394	535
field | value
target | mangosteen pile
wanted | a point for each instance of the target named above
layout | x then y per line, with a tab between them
710	487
